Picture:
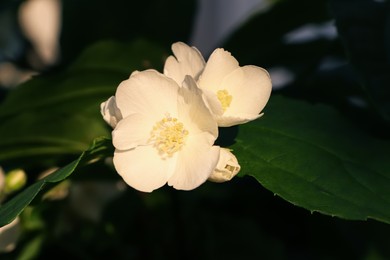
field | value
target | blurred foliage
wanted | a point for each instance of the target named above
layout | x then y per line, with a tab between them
61	110
100	148
364	28
309	154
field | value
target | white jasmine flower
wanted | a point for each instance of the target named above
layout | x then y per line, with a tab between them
166	134
110	112
226	168
235	94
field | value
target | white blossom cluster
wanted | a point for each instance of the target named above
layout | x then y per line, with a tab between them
165	124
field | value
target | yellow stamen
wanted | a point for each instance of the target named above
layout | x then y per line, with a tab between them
224	98
168	136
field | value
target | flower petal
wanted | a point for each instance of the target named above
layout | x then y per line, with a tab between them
132	131
147	92
227	167
187	61
110	112
212	102
250	87
142	168
193	111
195	163
219	65
226	121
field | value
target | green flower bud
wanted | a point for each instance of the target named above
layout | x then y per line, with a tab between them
14	181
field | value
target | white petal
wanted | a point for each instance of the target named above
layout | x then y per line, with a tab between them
226	121
148	92
187	61
193	111
219	65
110	112
250	87
212	102
142	168
132	131
226	168
196	161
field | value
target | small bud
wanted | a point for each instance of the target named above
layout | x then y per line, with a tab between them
110	112
14	180
226	168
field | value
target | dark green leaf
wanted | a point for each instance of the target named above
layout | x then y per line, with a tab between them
312	157
52	116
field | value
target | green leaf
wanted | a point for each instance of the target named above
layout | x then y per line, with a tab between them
11	209
312	157
57	115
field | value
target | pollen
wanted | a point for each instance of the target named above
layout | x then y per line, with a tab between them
168	136
224	98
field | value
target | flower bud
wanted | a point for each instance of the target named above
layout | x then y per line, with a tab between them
110	112
226	168
14	180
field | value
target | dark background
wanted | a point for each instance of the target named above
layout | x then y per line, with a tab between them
239	219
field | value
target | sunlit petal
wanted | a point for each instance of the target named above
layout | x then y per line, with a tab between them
219	65
193	111
147	92
187	61
142	168
226	121
250	87
212	102
132	131
196	162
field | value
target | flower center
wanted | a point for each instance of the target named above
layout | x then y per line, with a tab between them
168	136
224	98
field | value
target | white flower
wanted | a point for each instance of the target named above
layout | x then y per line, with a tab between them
226	168
235	94
166	134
